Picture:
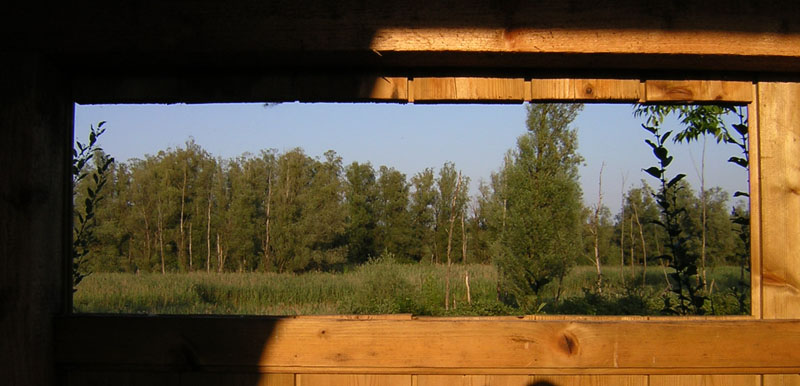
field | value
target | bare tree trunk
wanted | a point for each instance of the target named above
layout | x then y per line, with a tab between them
644	247
463	240
161	238
220	255
208	235
596	230
622	234
181	252
466	280
704	205
190	247
450	243
268	206
148	242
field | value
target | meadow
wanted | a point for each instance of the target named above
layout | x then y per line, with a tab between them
383	287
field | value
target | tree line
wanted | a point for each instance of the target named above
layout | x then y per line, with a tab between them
184	210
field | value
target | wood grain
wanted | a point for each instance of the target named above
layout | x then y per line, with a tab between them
779	172
705	380
469	89
235	379
414	346
532	380
781	380
353	380
754	149
698	91
611	90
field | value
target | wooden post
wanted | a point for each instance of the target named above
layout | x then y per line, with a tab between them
779	204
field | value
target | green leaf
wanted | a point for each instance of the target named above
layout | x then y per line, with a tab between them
741	194
660	153
739	161
650	129
653	171
667	161
741	129
649	142
675	180
665	136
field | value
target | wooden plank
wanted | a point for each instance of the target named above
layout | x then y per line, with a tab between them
235	379
455	89
589	380
610	90
353	380
779	172
429	346
324	87
123	378
697	91
35	215
781	380
427	33
754	149
705	380
532	380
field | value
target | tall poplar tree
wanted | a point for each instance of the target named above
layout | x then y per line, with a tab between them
542	235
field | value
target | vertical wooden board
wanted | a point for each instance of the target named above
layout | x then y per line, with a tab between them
497	380
383	88
441	380
121	378
779	173
589	380
236	379
698	91
755	206
612	90
469	89
781	380
353	380
705	380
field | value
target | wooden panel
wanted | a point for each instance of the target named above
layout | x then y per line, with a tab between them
754	148
698	91
430	347
782	380
779	140
35	215
705	380
353	380
235	379
530	380
241	88
122	378
589	380
469	89
612	90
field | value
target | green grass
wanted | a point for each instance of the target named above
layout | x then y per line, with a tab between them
380	287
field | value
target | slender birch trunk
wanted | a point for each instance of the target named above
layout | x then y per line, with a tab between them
450	243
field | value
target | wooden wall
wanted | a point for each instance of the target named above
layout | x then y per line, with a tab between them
52	55
760	349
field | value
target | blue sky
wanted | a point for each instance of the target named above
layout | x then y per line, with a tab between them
407	137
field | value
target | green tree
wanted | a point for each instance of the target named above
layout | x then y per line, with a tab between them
394	218
542	235
423	199
360	200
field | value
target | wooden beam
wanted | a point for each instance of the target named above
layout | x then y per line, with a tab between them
332	87
310	345
779	173
608	90
690	91
457	89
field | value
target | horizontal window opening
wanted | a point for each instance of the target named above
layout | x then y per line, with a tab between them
440	210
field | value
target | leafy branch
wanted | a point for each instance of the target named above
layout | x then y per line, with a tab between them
684	283
83	228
